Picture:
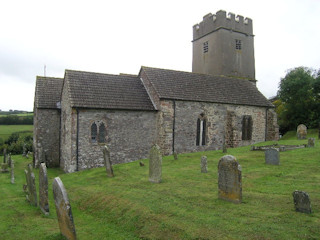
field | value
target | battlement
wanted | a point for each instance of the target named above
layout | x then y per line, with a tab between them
220	20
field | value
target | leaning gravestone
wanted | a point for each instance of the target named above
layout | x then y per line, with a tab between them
43	189
155	164
12	171
229	179
272	156
204	166
301	201
107	161
302	131
32	186
63	208
311	142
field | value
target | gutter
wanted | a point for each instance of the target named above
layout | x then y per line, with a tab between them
173	125
77	142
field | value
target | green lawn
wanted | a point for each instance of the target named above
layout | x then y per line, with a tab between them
7	130
183	206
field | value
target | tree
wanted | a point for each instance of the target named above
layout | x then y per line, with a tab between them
299	94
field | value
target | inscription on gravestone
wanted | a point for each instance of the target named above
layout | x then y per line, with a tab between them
155	164
302	131
204	166
272	156
301	201
63	208
229	179
43	189
107	161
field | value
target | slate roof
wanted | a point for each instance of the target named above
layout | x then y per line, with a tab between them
178	85
48	92
105	91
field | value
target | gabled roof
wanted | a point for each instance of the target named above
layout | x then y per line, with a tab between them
105	91
48	92
178	85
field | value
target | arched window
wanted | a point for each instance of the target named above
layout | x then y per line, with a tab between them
94	132
247	127
102	133
201	131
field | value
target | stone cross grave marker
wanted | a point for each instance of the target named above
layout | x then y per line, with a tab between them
272	156
63	208
301	201
32	186
155	164
302	131
311	142
107	161
43	189
12	171
229	179
204	164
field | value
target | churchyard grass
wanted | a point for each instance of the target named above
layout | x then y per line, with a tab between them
184	205
7	130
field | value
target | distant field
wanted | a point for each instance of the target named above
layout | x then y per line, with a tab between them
7	130
18	114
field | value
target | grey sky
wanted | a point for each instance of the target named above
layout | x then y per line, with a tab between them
120	36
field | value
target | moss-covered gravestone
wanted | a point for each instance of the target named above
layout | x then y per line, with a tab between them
204	165
32	191
63	208
155	164
229	179
43	189
301	201
107	161
302	131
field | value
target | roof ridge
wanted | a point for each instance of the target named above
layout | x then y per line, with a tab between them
100	73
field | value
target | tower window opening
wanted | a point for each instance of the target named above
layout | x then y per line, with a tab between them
238	44
205	47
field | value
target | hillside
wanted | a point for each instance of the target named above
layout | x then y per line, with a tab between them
184	206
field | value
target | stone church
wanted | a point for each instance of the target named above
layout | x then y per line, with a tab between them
217	103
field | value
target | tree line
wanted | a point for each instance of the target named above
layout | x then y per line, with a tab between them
16	120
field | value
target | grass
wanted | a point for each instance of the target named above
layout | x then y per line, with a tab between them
17	114
183	206
7	130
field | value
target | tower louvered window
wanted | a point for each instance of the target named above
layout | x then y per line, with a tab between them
247	127
238	44
205	47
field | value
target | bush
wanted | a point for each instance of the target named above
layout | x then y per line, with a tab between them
15	142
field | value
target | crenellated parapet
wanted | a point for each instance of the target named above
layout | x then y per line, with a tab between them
220	20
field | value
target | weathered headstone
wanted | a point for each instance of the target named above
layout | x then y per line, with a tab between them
229	179
204	165
43	189
9	160
301	201
26	186
272	156
311	142
155	164
24	150
4	167
107	161
32	186
4	155
224	148
63	208
302	131
12	171
175	156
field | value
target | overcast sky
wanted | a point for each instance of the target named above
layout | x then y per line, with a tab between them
121	36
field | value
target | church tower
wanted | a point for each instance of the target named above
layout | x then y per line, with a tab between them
223	45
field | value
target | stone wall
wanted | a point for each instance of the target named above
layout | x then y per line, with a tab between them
129	136
223	125
46	125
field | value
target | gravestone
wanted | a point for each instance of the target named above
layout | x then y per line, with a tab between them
63	208
311	142
9	160
155	164
24	150
229	179
4	155
26	186
32	186
302	131
43	189
4	167
272	156
107	161
175	156
12	171
204	166
301	201
224	148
